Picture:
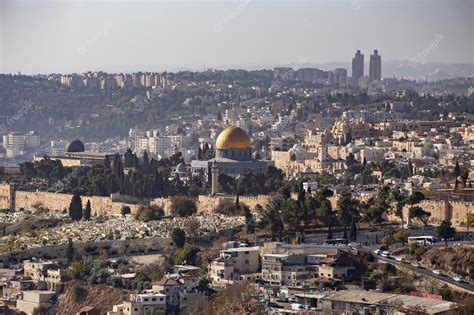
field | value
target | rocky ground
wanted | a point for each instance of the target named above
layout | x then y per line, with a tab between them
101	297
454	260
113	227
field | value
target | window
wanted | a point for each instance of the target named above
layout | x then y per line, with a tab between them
246	261
146	299
153	299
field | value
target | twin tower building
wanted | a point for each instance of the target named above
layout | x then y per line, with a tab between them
375	67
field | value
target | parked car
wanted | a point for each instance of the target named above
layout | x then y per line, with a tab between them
376	251
415	264
385	254
274	305
457	279
354	244
400	258
296	306
292	299
437	272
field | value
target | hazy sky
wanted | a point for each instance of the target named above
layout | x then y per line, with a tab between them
68	36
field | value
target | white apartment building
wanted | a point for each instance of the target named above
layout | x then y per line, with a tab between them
285	269
140	304
233	263
16	143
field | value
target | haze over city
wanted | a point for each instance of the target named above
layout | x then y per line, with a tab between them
75	36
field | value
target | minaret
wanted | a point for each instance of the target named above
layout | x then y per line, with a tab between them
214	177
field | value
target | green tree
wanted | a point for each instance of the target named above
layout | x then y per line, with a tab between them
184	255
386	240
70	250
149	213
178	236
87	211
183	206
401	236
271	217
348	213
456	170
78	293
75	208
446	231
417	212
125	210
398	199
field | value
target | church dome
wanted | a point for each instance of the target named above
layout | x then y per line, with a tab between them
233	138
75	146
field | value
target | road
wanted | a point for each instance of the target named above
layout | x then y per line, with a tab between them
427	272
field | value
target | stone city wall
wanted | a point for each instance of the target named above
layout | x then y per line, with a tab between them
6	196
206	204
459	212
456	211
16	200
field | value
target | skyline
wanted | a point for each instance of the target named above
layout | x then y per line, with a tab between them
52	37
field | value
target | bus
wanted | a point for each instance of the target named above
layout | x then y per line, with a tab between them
337	241
422	240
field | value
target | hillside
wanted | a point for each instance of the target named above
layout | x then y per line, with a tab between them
454	260
101	297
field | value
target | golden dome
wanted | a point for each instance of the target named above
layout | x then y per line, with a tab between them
233	138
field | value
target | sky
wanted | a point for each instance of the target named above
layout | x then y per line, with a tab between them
63	36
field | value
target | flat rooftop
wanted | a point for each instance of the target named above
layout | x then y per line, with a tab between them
242	249
430	306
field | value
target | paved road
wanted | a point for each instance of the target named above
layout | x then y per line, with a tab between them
427	272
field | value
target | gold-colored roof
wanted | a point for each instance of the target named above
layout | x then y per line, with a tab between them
233	138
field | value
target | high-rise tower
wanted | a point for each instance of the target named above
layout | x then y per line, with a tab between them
357	67
375	69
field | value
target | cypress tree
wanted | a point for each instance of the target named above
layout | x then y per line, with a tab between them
75	208
87	211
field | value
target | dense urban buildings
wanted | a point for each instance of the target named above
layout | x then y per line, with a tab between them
295	180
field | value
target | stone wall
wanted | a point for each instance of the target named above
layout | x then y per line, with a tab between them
456	211
16	200
6	196
206	204
60	202
459	212
164	203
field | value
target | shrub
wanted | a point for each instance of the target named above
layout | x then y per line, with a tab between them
228	208
186	254
178	236
125	210
78	293
183	206
149	213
